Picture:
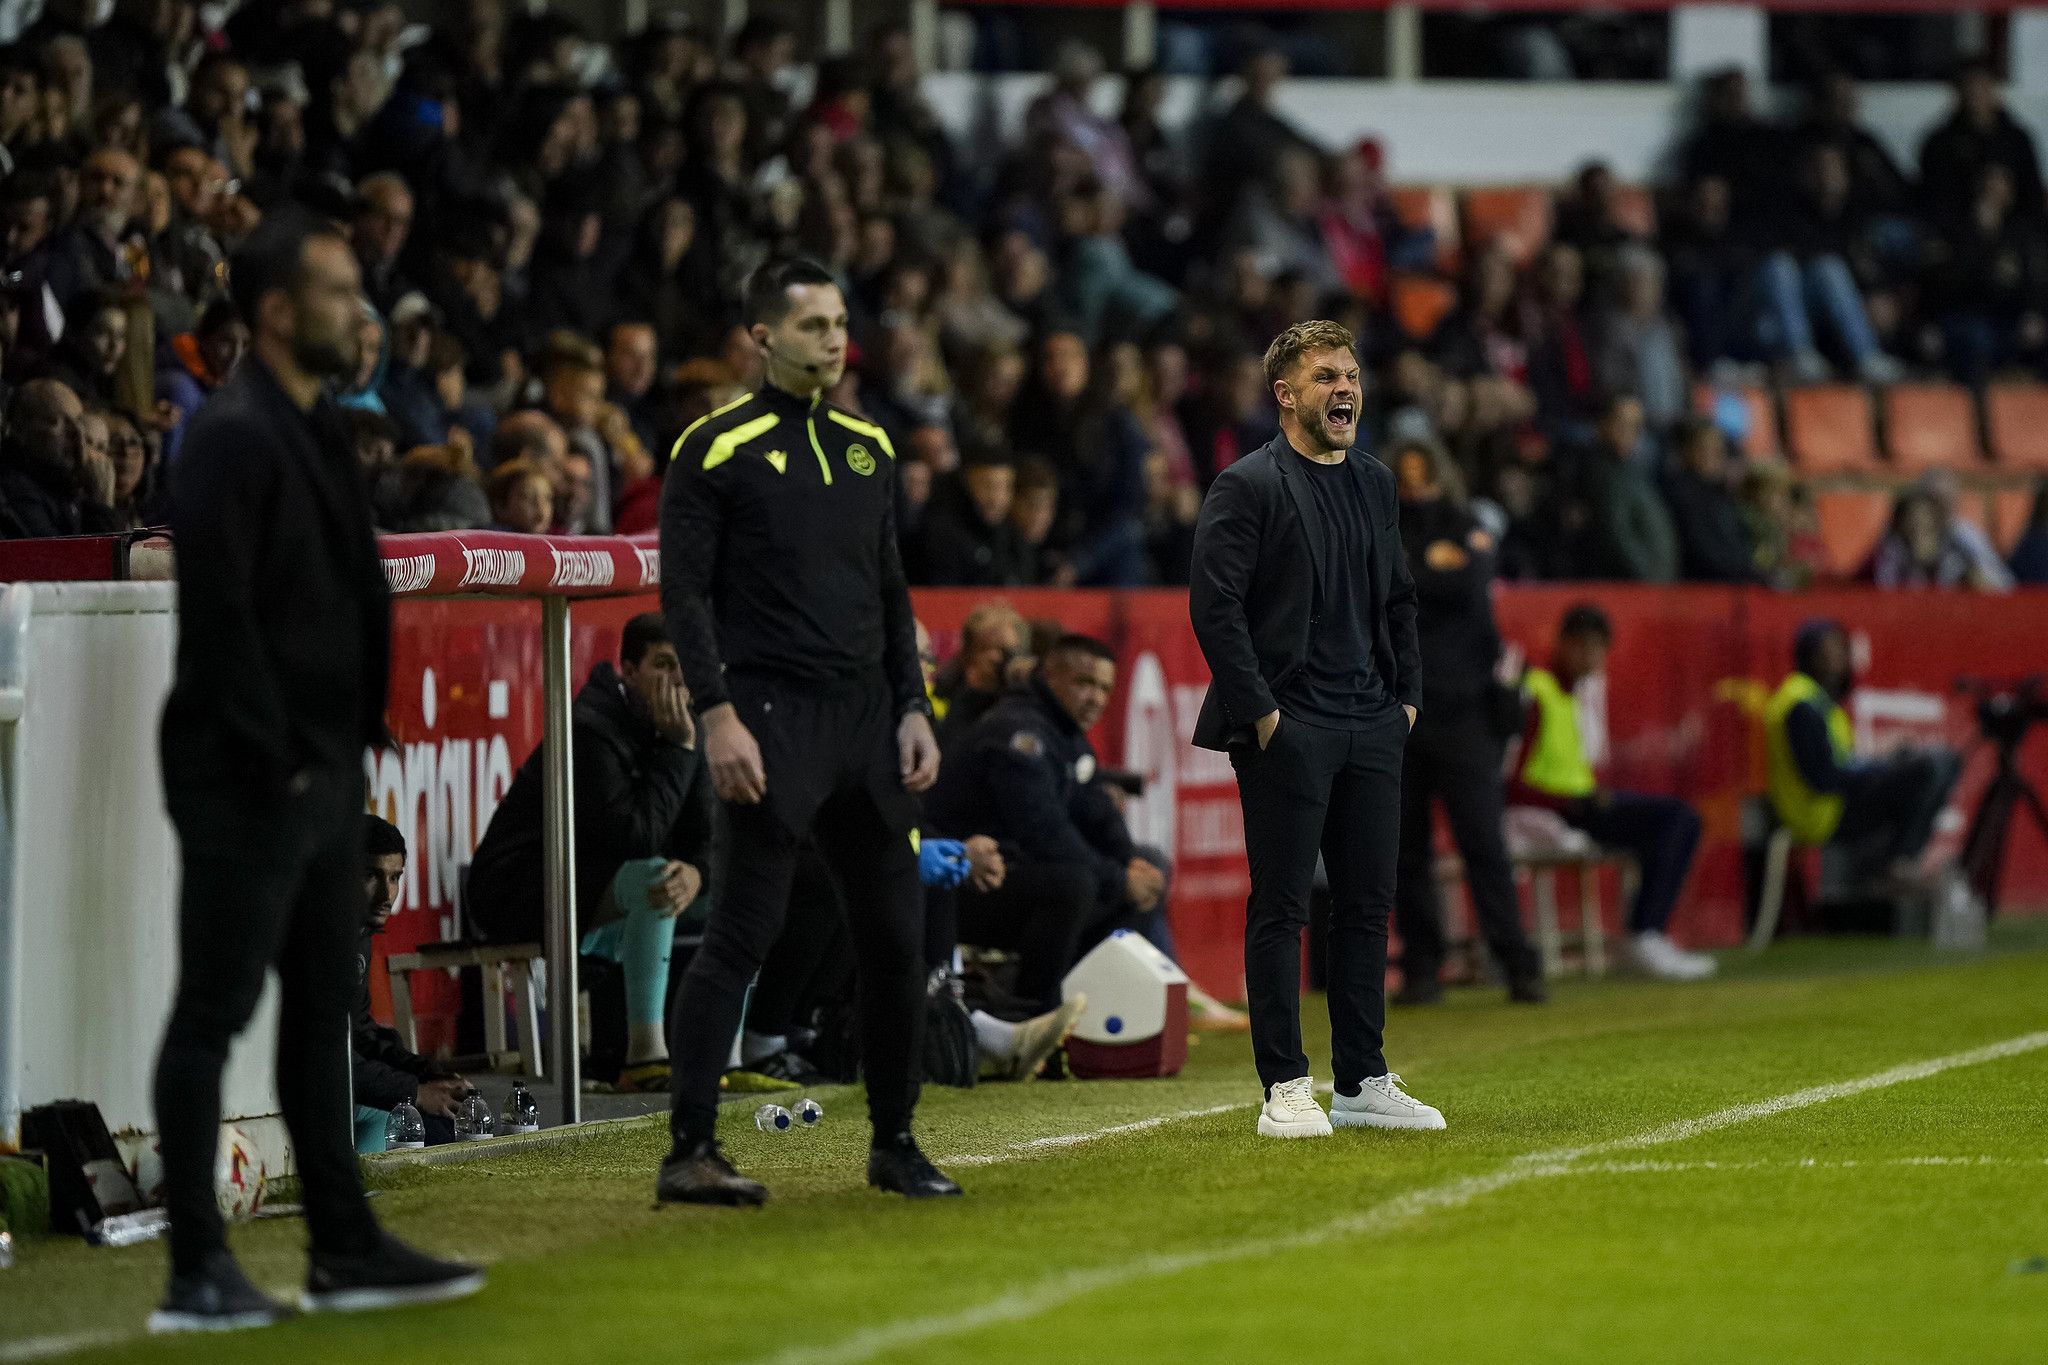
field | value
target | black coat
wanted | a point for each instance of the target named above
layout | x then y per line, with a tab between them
962	550
638	794
1460	642
383	1070
284	621
36	502
1025	776
1253	595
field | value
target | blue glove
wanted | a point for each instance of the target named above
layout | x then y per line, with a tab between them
942	862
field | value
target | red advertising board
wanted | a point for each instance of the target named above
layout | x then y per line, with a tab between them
1677	712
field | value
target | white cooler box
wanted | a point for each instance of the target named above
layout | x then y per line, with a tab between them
1136	1023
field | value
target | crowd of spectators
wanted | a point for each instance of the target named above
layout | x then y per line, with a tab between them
1063	340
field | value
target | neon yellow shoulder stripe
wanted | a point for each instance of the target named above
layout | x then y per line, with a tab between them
691	430
728	443
867	429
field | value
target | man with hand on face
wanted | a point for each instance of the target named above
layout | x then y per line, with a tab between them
1303	606
643	835
385	1072
786	598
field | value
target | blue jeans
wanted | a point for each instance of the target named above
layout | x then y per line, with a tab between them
1794	293
1662	832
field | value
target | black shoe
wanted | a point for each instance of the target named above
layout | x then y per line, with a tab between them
1528	990
216	1298
896	1165
389	1275
1419	990
702	1175
788	1065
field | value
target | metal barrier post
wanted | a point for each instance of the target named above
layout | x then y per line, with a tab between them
558	824
16	603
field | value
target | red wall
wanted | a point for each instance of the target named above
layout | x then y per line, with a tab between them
1689	671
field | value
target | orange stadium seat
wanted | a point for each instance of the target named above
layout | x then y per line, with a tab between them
1852	521
1432	207
1419	303
2016	416
1828	430
1762	442
1635	210
1931	426
2010	508
1516	216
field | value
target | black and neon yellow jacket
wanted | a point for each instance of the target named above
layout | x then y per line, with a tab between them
778	550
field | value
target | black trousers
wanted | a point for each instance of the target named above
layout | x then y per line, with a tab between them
1454	757
831	760
265	884
812	961
1889	811
1038	913
1336	792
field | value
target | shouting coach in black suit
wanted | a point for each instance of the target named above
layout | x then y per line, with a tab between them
283	646
1303	605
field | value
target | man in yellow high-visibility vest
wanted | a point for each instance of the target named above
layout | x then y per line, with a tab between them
1880	812
1553	772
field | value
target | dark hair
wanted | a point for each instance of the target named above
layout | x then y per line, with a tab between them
1584	618
767	294
381	838
274	257
642	633
215	317
1035	472
758	31
1075	643
367	424
16	60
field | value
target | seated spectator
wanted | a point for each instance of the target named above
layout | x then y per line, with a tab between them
969	540
1778	518
1366	242
1553	773
1986	283
522	499
992	640
1639	348
88	360
1979	133
1879	812
384	1073
643	835
1025	776
49	486
1628	533
1928	546
1733	145
1809	277
1099	451
373	351
1713	544
630	365
2030	555
135	473
1102	294
1832	120
1280	220
1589	220
199	361
1033	510
435	488
1561	346
1171	509
1713	283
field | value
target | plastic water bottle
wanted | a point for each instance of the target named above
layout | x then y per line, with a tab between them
473	1120
406	1130
773	1118
1959	918
809	1113
6	1250
521	1114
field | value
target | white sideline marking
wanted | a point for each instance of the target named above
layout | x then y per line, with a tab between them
42	1348
1018	1150
1023	1304
1802	1164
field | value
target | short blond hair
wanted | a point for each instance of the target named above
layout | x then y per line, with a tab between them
1303	337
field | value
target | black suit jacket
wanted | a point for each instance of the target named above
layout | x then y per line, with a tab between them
283	615
1254	593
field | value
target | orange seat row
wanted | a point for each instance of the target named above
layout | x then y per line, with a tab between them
1518	218
1903	429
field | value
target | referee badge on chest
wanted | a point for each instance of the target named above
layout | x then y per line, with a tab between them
859	460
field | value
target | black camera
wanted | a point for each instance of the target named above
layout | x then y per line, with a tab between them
2005	710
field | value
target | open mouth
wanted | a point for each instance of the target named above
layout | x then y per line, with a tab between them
1341	415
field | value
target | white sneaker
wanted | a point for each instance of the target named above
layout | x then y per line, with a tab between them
1382	1103
1655	955
1291	1111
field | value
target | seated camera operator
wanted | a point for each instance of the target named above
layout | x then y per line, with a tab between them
643	835
384	1072
1879	812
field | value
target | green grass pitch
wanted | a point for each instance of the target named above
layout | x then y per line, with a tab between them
1574	1211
